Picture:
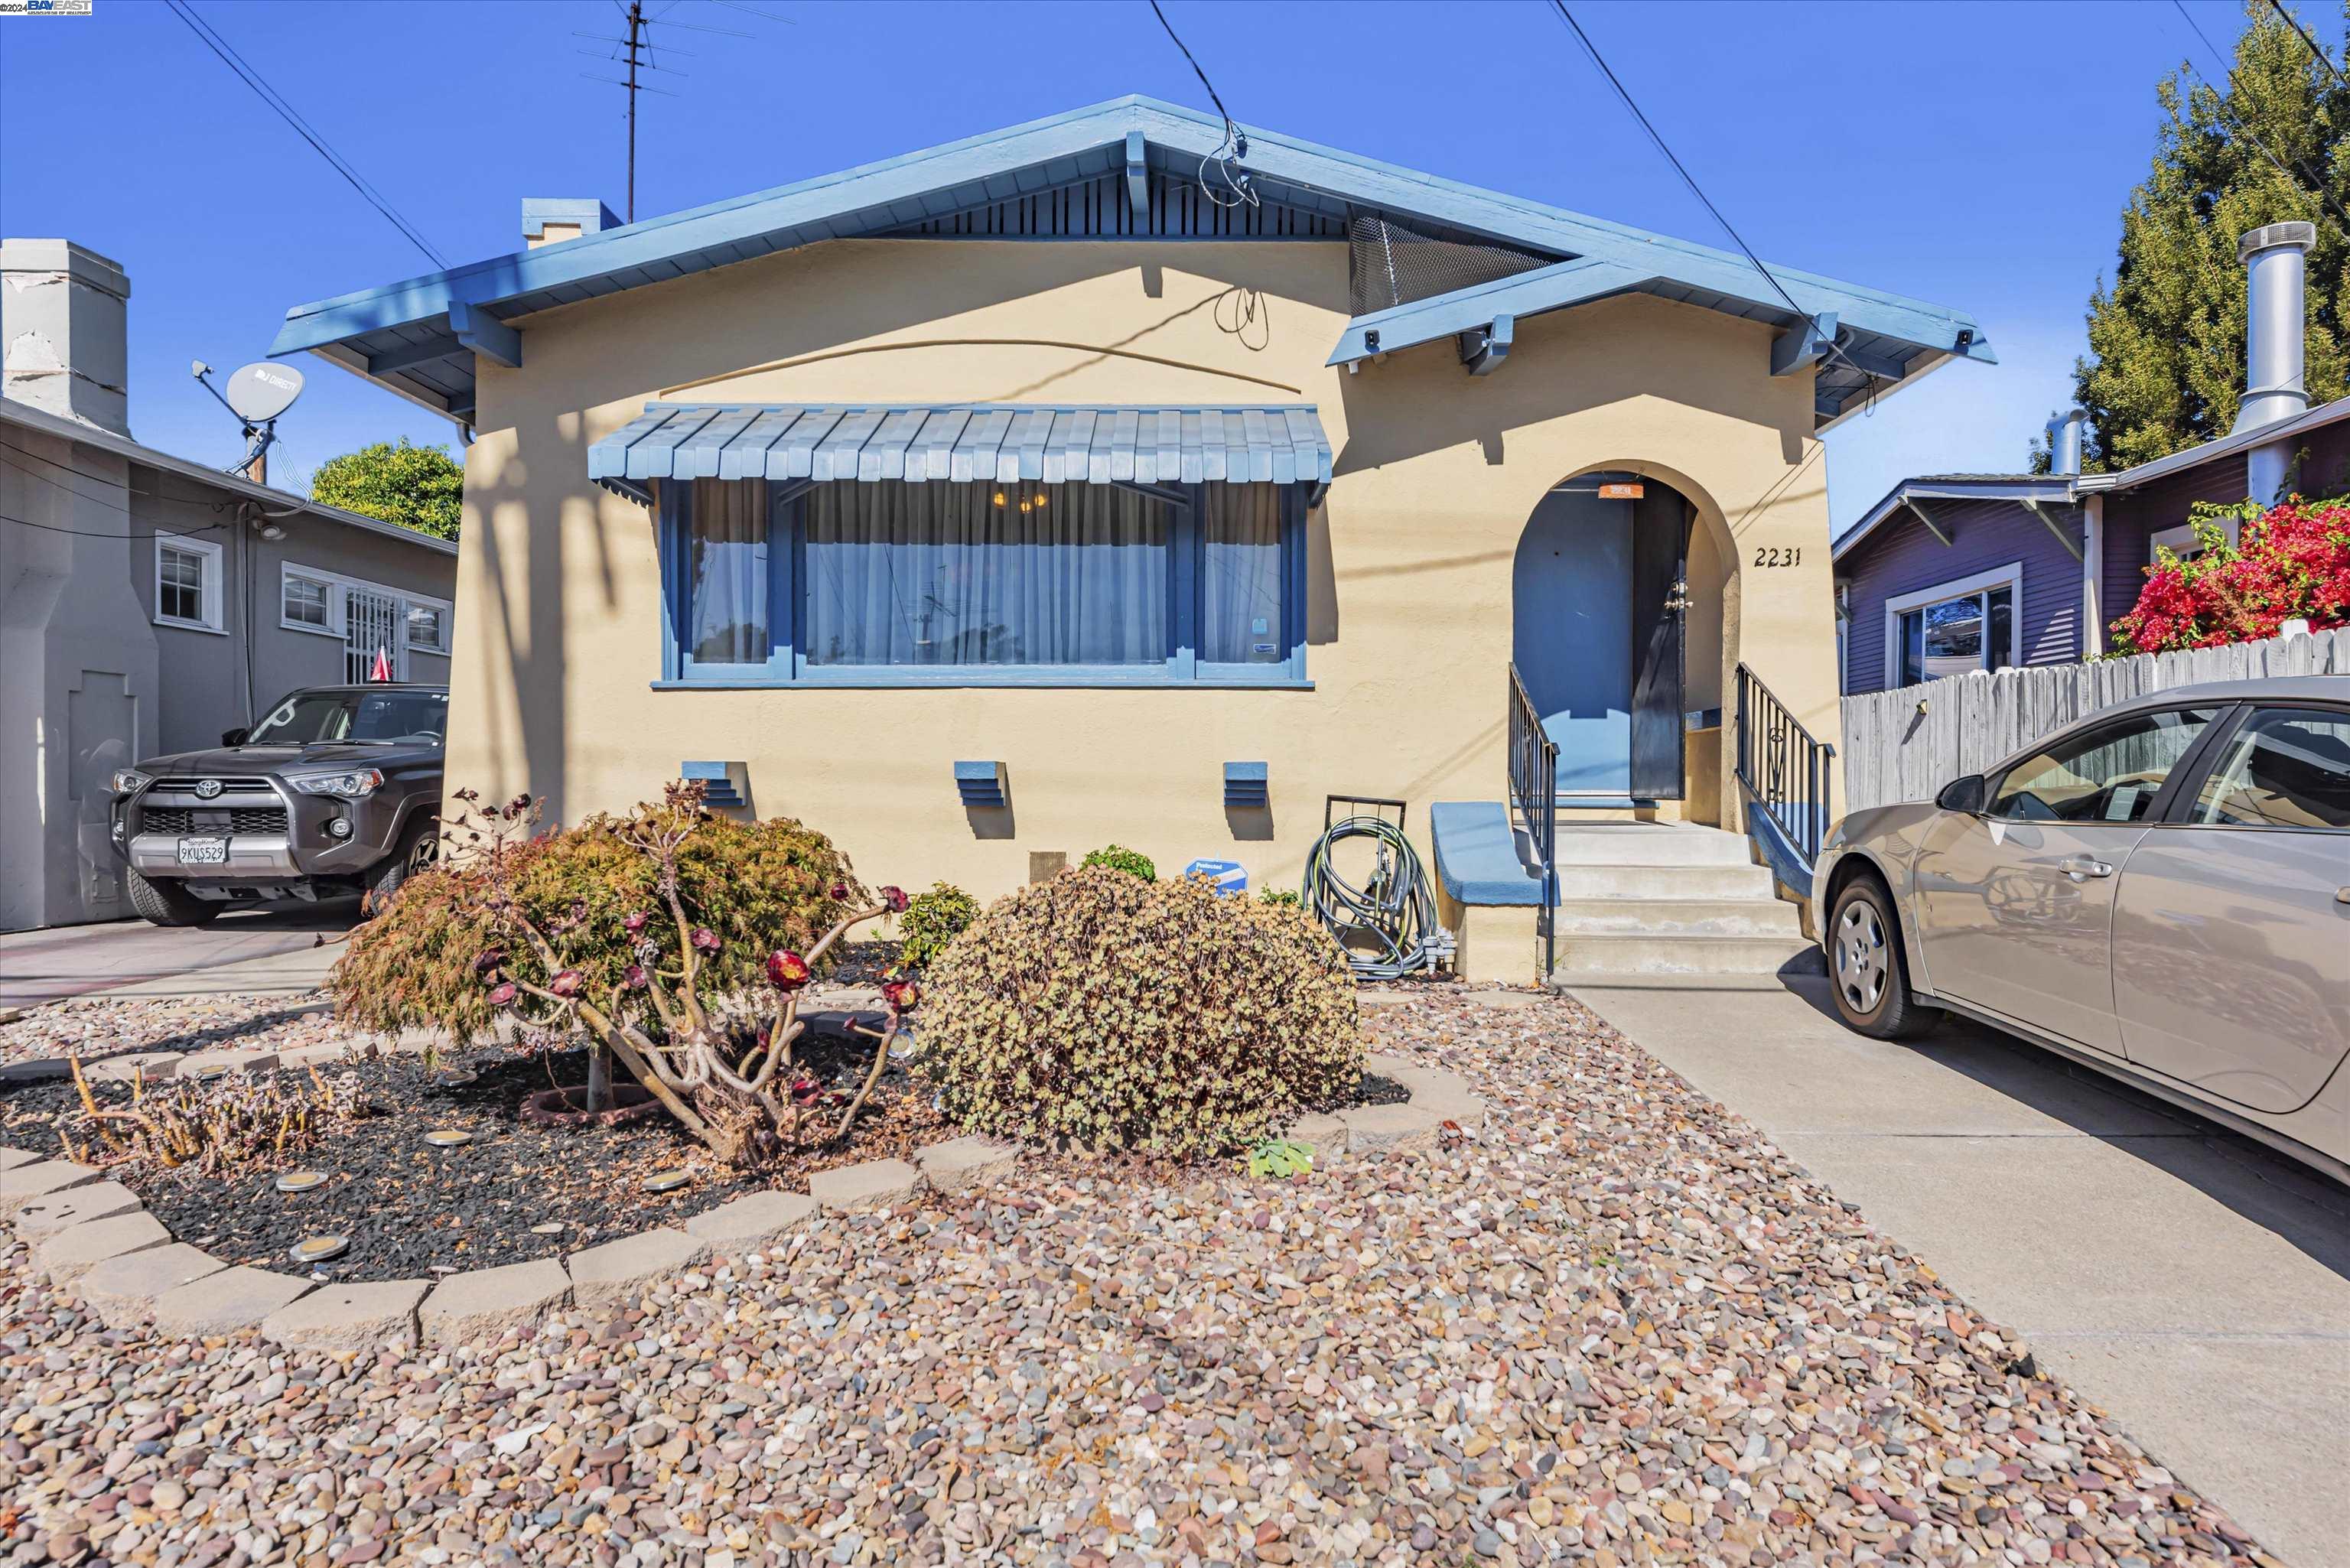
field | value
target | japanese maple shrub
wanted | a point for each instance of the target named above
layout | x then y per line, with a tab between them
1128	1014
676	941
2288	562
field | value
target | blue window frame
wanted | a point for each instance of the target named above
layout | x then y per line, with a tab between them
841	583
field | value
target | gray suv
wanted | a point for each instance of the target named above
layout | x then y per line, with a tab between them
335	792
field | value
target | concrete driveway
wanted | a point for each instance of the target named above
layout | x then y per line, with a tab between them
2189	1280
74	960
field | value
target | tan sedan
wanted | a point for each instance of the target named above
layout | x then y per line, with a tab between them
2161	891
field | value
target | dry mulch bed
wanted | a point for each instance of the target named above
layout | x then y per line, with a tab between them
410	1210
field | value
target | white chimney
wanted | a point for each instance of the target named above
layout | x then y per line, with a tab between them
65	323
2275	258
2064	441
551	220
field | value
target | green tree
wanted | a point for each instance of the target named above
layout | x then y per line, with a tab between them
2166	363
419	487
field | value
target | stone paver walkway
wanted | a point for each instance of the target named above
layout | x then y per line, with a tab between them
2194	1283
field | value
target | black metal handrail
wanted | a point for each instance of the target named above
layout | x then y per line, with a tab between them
1534	797
1782	765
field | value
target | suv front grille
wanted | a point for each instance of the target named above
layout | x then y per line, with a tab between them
242	819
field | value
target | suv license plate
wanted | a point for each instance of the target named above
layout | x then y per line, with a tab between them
204	851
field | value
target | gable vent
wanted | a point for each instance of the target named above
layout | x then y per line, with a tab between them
1388	265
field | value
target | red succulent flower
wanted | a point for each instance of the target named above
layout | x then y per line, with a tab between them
786	971
636	922
840	892
901	995
705	938
567	983
896	899
636	977
503	993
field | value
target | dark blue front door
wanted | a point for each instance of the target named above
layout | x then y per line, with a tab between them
1572	635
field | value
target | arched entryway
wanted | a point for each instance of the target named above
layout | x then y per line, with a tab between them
1598	597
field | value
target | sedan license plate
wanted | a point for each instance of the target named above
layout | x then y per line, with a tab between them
204	851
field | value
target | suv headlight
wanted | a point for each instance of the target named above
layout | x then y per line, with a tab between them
354	782
131	780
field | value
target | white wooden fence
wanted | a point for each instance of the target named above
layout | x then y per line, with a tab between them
1907	744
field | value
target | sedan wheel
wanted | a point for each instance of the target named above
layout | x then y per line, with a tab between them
1860	957
1864	967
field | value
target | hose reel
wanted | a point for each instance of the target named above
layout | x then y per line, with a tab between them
1388	922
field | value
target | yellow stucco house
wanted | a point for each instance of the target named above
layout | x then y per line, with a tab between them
1086	482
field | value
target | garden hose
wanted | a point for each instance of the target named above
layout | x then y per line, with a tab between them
1388	926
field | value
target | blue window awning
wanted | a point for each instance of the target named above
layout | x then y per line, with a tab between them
964	444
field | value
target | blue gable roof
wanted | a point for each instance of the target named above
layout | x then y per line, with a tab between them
420	338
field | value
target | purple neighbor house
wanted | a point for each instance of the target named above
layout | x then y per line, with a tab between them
1955	572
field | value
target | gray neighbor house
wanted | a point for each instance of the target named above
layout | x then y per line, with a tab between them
1955	572
149	603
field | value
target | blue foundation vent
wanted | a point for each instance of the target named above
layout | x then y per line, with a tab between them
1245	784
981	784
721	782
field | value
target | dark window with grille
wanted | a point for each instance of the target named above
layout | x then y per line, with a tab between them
179	584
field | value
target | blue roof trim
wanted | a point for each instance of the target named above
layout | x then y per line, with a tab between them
1465	309
1082	144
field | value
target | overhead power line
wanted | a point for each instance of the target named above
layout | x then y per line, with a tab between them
2323	57
2221	98
1695	190
245	73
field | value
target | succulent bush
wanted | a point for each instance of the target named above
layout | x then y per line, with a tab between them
1118	858
1126	1014
931	921
644	934
213	1127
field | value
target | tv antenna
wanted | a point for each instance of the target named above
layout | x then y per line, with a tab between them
256	394
637	53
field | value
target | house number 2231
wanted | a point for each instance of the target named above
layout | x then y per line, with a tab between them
1775	555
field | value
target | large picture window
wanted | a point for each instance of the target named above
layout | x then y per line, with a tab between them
1953	627
848	583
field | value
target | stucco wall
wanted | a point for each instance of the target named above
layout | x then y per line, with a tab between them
1408	560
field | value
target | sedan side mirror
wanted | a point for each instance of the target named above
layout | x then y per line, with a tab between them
235	737
1962	794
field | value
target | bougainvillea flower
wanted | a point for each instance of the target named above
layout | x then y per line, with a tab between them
636	977
705	938
567	983
786	971
636	922
896	899
901	995
503	993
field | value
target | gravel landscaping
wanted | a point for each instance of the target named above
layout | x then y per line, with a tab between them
99	1027
1610	1325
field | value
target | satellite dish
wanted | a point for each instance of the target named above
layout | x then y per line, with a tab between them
258	393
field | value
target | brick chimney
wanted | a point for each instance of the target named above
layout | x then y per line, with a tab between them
64	332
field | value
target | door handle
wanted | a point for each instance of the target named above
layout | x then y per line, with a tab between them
2080	867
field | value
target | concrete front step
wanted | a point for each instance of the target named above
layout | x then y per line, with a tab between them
1677	917
1674	882
1652	953
1648	844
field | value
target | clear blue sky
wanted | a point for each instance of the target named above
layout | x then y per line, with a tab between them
1976	155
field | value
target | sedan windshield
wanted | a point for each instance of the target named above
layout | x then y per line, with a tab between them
308	717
